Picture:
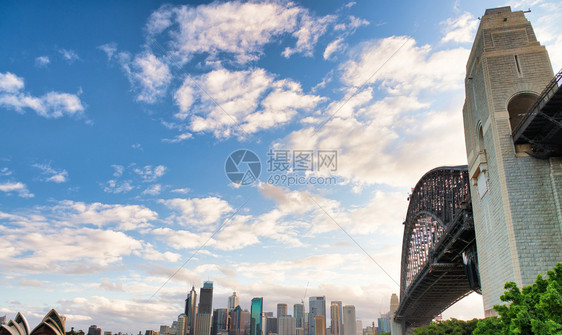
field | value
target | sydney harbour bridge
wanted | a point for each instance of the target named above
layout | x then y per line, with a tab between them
472	228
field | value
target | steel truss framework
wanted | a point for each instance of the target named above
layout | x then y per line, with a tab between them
438	231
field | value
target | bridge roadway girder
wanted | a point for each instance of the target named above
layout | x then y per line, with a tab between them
439	279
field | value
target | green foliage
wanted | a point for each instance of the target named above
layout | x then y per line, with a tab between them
453	326
536	309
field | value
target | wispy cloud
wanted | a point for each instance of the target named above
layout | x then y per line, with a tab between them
110	49
16	187
51	105
69	55
42	61
52	175
460	29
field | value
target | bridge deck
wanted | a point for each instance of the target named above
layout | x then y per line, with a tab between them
542	125
442	281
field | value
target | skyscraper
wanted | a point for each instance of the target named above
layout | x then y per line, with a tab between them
256	317
298	313
270	325
220	322
205	309
190	312
316	306
287	325
237	321
336	317
281	310
320	325
349	320
181	324
232	301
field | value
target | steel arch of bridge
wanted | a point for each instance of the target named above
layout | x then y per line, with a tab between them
438	230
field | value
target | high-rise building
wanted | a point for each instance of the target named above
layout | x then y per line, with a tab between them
359	327
282	310
336	317
180	326
316	306
287	325
190	312
205	309
232	301
256	317
394	304
2	320
94	330
221	321
270	325
319	325
349	320
164	330
237	321
298	313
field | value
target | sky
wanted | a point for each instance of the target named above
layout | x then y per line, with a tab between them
118	190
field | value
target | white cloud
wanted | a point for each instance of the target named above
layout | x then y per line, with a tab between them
178	138
149	174
198	211
460	29
42	61
69	55
123	217
400	66
10	83
64	250
250	99
51	105
238	28
114	186
149	76
307	36
19	188
52	175
4	172
153	189
334	46
109	49
180	190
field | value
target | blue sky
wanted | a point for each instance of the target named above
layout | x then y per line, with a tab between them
117	120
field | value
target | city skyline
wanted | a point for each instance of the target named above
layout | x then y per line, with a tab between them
123	127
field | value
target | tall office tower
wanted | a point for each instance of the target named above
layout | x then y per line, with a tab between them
316	306
190	312
256	317
164	330
394	303
298	313
336	317
237	321
94	330
180	328
516	189
205	309
220	322
306	328
349	321
300	331
359	327
232	301
282	310
319	325
270	325
287	325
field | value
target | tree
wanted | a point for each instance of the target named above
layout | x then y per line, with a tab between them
453	326
536	309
